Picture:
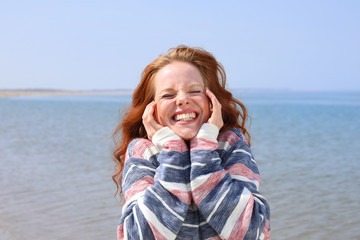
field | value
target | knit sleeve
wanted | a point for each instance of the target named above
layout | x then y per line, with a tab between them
225	182
156	187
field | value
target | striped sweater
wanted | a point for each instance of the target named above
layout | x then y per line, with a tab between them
207	189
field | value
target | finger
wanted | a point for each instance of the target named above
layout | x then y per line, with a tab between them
214	101
212	96
216	116
149	110
148	120
149	117
151	114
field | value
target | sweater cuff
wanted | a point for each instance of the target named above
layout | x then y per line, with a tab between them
162	136
208	131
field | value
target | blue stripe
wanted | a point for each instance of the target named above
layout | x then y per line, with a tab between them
166	218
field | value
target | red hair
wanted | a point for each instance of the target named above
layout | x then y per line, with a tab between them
213	73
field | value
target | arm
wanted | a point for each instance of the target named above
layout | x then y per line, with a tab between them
156	187
225	185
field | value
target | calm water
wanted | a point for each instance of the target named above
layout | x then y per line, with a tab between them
56	166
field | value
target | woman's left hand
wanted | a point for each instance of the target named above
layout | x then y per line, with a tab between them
216	115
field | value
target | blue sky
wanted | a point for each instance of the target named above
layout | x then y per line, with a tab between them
85	45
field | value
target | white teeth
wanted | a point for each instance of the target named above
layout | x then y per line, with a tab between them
185	117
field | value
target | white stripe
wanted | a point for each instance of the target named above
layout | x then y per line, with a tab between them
235	214
215	159
217	205
208	131
224	145
148	168
150	151
243	151
258	201
152	218
262	217
127	173
259	198
132	199
162	136
125	231
175	186
175	167
190	225
203	223
262	236
165	205
245	179
198	164
199	180
137	223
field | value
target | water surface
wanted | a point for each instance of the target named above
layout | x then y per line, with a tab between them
56	166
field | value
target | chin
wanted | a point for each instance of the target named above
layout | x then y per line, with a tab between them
187	138
188	135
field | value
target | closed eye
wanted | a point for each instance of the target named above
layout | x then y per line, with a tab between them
167	96
197	91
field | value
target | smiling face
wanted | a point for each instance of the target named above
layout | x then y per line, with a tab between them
181	102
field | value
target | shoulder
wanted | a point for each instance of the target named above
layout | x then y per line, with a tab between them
235	151
141	148
231	137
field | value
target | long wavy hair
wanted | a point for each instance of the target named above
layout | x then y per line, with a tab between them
213	73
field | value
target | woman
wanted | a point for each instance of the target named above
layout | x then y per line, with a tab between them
183	160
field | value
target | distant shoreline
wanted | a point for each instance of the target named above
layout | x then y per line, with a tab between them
5	93
40	92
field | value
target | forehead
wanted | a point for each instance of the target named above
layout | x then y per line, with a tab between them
177	75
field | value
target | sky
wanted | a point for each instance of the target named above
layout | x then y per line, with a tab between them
105	45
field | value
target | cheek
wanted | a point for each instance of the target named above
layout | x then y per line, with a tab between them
160	114
208	113
156	115
206	108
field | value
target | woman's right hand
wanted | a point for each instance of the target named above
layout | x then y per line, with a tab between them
150	124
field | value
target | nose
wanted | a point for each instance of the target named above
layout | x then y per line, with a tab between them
182	99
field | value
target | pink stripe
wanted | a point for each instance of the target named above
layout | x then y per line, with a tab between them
126	155
156	233
175	145
266	230
229	137
243	223
203	190
139	186
241	170
182	196
120	232
140	147
244	138
202	143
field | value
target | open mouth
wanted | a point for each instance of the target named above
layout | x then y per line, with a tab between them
185	116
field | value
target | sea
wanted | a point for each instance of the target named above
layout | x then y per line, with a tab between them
56	164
